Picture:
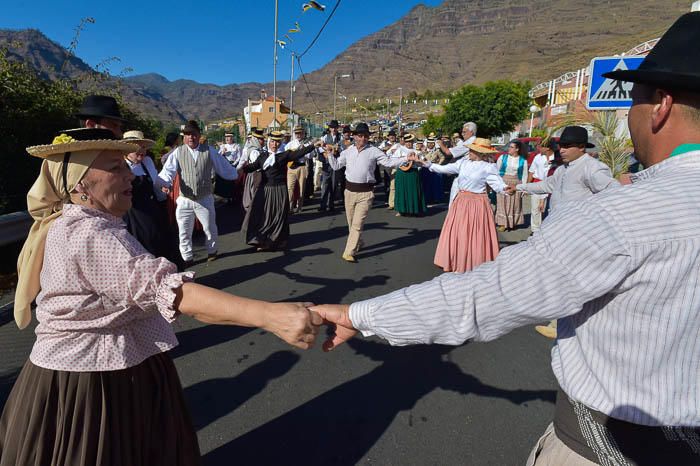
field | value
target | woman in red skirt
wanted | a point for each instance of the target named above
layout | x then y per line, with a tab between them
468	236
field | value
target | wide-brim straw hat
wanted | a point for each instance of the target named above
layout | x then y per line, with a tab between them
482	146
409	138
276	135
137	138
82	139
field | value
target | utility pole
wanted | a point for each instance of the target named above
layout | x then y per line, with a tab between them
291	97
274	71
400	107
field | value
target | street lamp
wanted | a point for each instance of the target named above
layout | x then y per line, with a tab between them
400	104
335	89
533	109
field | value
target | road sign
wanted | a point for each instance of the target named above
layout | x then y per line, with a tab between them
608	94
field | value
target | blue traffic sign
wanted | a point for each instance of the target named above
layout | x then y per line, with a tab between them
608	94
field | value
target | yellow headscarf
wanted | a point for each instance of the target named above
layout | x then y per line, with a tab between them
45	202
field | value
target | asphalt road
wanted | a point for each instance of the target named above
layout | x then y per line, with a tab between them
255	400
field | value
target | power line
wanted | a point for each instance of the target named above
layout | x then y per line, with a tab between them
303	77
321	30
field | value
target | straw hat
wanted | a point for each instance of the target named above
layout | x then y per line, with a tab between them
409	138
276	135
257	133
482	146
82	139
136	137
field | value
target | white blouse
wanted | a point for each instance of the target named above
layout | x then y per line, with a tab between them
473	175
512	167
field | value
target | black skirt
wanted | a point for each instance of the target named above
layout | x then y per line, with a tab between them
135	416
266	224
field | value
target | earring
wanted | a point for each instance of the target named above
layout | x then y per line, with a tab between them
84	197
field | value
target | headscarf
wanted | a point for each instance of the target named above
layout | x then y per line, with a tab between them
45	202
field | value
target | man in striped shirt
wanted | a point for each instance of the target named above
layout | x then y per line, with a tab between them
625	274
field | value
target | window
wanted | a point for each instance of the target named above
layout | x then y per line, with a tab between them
271	109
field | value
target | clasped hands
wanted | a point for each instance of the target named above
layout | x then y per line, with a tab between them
299	323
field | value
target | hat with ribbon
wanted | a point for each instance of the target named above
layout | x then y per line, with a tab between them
408	137
670	64
361	128
257	133
276	135
136	137
299	129
482	146
575	135
99	106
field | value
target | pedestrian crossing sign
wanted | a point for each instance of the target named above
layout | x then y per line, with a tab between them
608	94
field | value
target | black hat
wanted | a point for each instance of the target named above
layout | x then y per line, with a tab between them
391	133
191	127
99	106
361	128
346	129
671	64
333	124
575	135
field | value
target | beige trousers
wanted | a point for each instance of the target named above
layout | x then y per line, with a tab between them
392	189
294	176
550	451
356	207
318	168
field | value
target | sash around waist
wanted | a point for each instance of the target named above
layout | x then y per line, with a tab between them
359	187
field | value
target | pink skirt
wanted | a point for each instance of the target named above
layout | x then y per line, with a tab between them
468	237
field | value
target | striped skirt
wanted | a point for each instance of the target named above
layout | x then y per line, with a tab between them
135	416
509	208
468	237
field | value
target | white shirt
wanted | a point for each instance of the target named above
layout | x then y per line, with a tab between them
574	181
623	274
221	166
138	170
540	166
295	144
360	165
472	175
232	152
460	149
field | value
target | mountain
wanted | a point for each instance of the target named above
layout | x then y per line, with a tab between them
437	48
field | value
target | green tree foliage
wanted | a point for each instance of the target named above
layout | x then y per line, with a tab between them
496	107
32	111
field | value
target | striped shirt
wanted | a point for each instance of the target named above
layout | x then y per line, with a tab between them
624	268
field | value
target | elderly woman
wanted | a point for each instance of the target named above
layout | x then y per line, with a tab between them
99	387
468	237
266	224
147	220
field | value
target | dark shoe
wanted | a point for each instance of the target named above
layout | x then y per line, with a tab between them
322	209
211	257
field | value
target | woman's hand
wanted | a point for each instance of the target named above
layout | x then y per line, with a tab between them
292	322
338	316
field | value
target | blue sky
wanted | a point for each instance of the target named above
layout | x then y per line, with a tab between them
208	41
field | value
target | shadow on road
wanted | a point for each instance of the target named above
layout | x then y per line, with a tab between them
333	289
340	426
7	381
214	398
199	338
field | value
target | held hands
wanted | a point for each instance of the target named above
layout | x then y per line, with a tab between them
337	316
293	323
509	190
413	157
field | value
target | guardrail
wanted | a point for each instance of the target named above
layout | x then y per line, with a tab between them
14	227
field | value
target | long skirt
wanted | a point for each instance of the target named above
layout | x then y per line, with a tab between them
250	187
135	416
509	209
432	186
409	197
266	224
468	237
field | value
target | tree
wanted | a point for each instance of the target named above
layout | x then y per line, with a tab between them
496	107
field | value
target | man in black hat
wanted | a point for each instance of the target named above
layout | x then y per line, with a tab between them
359	161
195	163
331	142
579	178
623	274
101	111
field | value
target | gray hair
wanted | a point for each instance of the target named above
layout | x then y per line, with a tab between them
471	126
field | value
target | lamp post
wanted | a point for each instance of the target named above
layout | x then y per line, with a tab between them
335	89
533	109
400	106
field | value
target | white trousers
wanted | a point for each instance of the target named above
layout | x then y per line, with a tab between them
185	213
535	214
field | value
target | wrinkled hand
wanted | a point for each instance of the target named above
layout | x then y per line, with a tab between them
293	323
337	315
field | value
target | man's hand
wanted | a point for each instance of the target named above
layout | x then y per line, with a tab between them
293	323
318	143
543	205
337	315
413	157
165	189
510	190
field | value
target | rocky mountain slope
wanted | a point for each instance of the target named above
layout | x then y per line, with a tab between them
438	48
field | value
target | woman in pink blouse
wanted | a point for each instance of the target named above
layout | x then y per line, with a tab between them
99	387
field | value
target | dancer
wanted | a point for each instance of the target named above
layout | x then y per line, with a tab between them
468	237
266	225
100	387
